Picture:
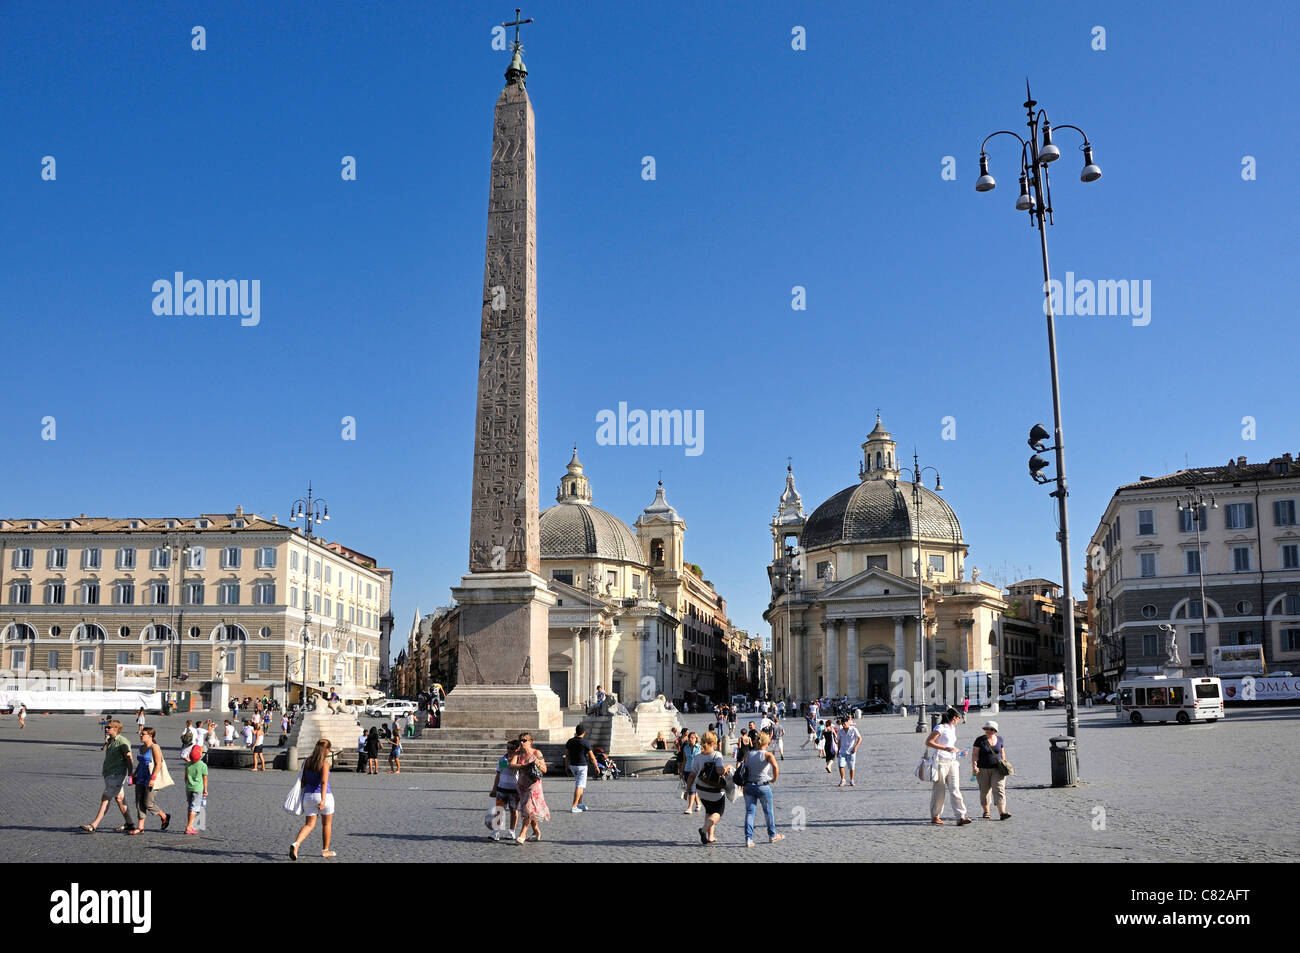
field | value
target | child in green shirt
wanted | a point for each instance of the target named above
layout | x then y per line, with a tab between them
196	786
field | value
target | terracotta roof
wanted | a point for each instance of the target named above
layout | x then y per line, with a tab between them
1237	471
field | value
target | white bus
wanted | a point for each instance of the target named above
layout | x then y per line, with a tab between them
1160	698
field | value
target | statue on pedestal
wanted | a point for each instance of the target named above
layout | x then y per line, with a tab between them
1171	650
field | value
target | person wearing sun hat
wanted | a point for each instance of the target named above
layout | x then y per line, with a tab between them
990	752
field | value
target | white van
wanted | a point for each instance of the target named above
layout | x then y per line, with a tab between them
1160	698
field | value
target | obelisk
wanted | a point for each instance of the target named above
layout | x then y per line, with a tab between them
503	679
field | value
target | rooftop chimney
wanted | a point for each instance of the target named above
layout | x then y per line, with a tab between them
239	510
1241	461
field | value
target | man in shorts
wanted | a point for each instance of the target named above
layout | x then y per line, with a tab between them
848	738
578	756
118	765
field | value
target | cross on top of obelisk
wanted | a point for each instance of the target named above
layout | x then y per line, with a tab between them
517	47
517	72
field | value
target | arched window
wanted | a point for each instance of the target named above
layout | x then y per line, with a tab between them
159	633
89	632
19	631
230	632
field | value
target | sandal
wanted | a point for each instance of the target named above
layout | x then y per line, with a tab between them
293	851
167	819
135	830
328	853
88	828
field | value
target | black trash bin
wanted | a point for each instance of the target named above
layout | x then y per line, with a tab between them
935	717
1065	761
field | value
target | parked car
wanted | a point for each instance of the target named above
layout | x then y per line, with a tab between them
871	706
391	706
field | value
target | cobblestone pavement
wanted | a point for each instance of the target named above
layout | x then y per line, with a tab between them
1150	793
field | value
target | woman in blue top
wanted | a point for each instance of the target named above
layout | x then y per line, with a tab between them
690	751
316	799
147	768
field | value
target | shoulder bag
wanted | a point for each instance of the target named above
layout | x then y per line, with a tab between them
707	779
293	803
927	769
740	777
164	776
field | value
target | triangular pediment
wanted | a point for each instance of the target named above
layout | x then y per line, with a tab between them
870	584
575	597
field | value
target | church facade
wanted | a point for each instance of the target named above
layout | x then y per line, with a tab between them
850	581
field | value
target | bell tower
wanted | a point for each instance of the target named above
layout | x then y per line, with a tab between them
879	455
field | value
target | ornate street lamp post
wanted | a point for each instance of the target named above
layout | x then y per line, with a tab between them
1036	153
312	510
1194	505
916	472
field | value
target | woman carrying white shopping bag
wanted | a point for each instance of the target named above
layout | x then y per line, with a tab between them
314	785
947	775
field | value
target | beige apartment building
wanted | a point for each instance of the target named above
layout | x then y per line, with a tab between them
1228	536
231	591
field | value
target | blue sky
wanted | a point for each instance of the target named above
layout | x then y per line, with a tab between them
775	168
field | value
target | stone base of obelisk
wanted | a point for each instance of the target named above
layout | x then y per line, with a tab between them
502	660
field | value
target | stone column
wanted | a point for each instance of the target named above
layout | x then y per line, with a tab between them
900	645
851	659
611	646
576	694
805	663
831	660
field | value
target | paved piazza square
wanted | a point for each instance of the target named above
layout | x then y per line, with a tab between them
1201	793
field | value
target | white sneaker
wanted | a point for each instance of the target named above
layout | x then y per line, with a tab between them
575	810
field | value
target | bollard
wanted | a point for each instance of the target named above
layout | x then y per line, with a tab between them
291	759
1042	706
902	710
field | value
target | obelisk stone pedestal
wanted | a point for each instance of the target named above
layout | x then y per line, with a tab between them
504	621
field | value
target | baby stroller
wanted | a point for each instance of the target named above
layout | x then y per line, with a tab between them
609	771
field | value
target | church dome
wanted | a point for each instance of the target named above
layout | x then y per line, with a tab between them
581	530
574	528
878	510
